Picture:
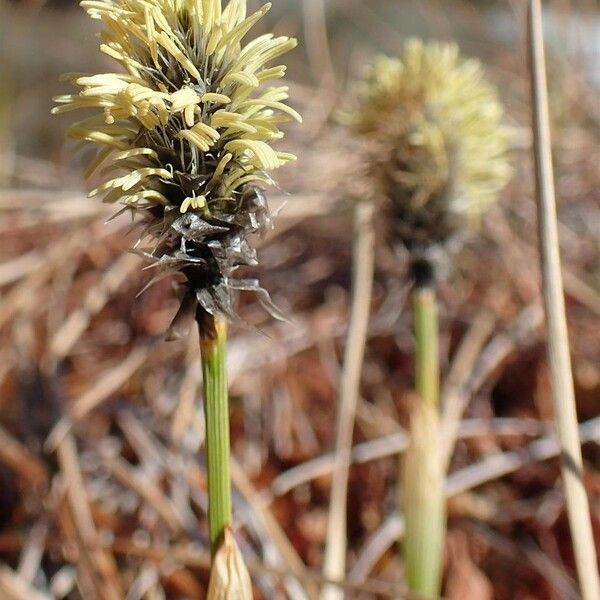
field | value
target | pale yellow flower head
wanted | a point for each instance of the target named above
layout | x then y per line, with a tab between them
185	130
436	147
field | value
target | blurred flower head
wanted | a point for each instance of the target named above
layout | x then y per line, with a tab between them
184	133
435	145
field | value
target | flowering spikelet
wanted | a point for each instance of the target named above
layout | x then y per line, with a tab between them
435	143
184	133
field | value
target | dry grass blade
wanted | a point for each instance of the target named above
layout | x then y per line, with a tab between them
107	384
46	206
19	458
391	530
556	322
273	529
142	485
581	291
192	557
457	395
151	454
24	295
17	268
14	587
460	371
501	464
186	417
105	574
33	550
389	445
334	564
73	328
317	42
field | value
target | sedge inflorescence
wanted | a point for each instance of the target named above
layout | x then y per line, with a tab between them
184	134
435	144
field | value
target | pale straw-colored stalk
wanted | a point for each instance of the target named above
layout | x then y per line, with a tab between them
334	565
578	509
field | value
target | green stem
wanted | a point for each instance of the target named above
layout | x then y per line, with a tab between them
213	344
427	369
423	477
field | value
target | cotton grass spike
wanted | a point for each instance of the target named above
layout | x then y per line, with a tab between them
434	159
435	143
185	132
229	579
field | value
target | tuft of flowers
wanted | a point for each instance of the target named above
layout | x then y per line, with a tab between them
184	134
435	145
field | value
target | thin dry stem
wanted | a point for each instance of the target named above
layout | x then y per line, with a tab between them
334	565
73	328
147	489
317	42
105	570
14	587
460	371
18	457
186	416
23	296
556	323
274	531
389	445
101	390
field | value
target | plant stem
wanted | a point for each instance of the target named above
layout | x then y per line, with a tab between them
213	343
422	492
363	264
556	323
427	370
